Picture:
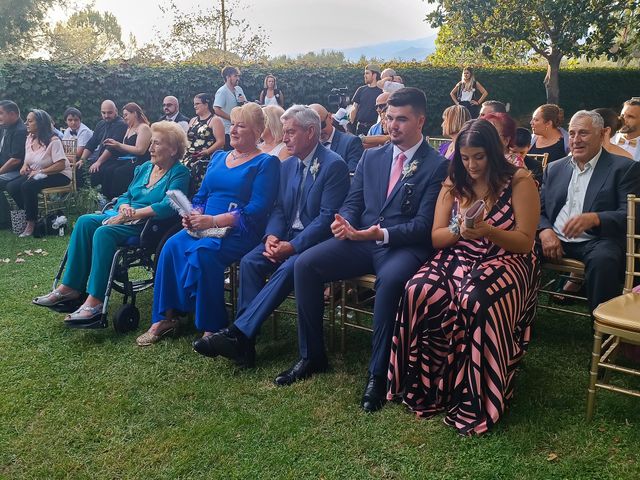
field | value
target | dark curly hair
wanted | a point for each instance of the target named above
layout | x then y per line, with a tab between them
44	126
480	133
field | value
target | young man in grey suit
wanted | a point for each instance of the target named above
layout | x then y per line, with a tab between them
584	207
383	228
313	184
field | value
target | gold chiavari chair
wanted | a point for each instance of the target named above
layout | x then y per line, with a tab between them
619	318
59	197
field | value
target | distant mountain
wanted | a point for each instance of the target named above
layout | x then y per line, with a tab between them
416	49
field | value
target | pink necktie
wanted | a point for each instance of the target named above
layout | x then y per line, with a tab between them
396	171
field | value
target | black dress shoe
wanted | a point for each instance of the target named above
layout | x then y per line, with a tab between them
301	370
204	346
234	345
374	393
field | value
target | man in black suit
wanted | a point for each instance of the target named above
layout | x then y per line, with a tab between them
383	228
348	146
584	207
171	109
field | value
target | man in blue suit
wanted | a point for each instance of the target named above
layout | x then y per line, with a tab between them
383	228
313	184
348	146
584	208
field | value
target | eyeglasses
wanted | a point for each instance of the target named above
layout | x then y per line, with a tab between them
381	106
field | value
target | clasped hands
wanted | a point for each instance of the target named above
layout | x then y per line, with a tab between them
196	220
276	250
125	214
343	230
575	226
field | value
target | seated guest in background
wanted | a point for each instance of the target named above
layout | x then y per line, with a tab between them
205	135
76	130
506	127
133	150
270	94
13	135
111	126
238	191
382	229
171	109
96	237
348	146
612	123
381	107
548	136
45	165
492	106
301	219
521	143
584	208
465	319
627	136
453	118
272	135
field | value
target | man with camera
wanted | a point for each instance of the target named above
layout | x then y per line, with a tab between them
364	114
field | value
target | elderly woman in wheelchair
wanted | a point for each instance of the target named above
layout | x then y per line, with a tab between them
96	237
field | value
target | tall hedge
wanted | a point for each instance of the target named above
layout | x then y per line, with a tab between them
55	86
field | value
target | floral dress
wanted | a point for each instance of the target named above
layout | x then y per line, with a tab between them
200	136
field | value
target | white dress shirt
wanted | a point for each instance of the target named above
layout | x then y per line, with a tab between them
575	198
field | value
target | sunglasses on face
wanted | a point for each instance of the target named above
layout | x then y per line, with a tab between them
381	106
167	104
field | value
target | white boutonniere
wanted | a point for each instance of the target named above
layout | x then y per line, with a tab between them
313	169
410	169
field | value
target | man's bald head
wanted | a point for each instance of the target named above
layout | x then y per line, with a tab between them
108	110
382	98
326	121
170	105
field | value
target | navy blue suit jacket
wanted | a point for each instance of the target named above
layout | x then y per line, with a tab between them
611	181
321	199
349	147
407	213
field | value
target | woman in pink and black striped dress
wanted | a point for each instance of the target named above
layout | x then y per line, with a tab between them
465	319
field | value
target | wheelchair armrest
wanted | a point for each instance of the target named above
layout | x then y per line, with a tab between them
154	229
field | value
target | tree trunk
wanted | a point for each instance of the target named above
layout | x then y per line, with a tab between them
551	81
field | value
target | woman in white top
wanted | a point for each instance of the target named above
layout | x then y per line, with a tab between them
273	133
45	165
469	93
270	94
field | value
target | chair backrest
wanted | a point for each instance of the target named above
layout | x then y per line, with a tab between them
633	243
70	150
435	142
540	159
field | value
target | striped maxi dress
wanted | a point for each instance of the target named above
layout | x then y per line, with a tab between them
463	325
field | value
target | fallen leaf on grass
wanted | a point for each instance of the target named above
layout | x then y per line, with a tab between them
6	260
44	254
37	250
19	254
552	457
20	260
29	252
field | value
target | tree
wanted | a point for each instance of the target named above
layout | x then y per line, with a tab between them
21	23
87	36
452	48
200	34
552	28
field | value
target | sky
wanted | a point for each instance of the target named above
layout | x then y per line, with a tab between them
293	26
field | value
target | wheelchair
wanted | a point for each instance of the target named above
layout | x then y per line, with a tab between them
138	251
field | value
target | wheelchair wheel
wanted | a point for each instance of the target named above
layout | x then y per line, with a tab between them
126	319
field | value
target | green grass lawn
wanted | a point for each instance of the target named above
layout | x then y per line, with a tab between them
91	404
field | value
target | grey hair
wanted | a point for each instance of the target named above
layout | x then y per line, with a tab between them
596	120
304	116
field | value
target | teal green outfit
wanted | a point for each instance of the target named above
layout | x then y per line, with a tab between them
93	245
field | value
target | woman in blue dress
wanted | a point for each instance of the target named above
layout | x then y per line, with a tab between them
238	191
96	237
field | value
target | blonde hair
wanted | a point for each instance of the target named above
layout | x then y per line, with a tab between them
175	135
275	82
454	117
252	115
272	114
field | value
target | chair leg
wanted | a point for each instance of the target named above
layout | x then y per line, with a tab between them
343	314
593	374
332	316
